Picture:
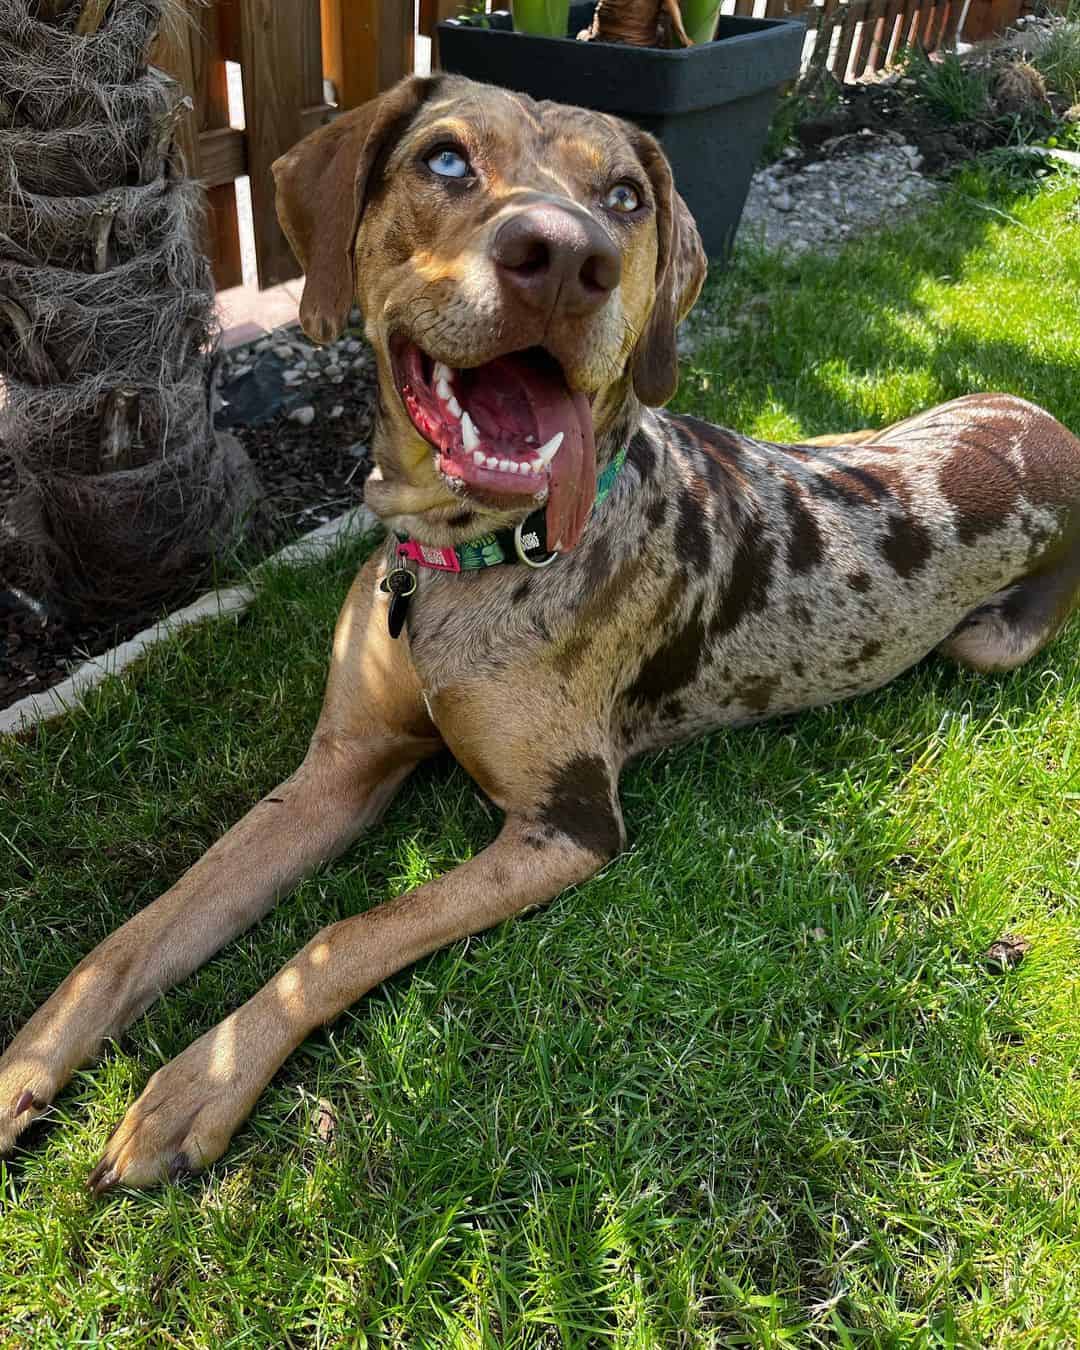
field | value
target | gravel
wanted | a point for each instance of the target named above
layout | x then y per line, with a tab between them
861	182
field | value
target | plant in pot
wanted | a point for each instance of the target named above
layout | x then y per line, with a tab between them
706	84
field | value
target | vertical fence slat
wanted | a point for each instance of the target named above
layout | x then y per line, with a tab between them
189	48
954	13
280	54
852	14
826	27
867	34
367	46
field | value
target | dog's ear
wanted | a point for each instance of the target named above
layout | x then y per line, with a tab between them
681	266
321	185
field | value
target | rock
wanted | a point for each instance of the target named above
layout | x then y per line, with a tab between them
784	201
358	450
305	415
294	376
351	346
1072	114
1006	953
237	371
336	411
283	350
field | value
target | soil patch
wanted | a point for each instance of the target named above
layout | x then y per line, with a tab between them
303	414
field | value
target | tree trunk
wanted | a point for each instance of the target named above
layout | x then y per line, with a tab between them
107	328
638	23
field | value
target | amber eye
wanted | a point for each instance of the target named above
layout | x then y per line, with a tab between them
622	197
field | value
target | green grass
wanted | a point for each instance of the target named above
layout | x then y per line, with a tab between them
1059	59
953	90
752	1086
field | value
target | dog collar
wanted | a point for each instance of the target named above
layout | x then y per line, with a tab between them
526	543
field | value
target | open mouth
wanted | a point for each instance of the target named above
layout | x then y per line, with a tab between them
509	429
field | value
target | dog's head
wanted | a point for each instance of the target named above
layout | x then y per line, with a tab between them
521	268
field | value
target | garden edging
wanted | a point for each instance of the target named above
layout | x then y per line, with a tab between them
61	698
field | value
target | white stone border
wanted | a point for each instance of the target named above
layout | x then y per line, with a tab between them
69	693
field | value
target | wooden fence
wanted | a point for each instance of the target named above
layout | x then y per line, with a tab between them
287	49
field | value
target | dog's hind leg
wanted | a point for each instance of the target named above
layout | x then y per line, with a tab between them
373	731
1017	622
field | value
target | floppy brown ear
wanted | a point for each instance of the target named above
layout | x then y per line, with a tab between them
321	184
681	266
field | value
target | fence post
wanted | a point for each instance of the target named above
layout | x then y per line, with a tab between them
281	60
367	46
190	48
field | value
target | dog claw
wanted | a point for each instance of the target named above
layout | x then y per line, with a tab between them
103	1178
180	1167
26	1101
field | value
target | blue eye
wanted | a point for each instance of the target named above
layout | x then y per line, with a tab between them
449	163
622	197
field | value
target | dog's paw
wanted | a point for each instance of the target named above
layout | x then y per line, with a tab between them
183	1121
28	1084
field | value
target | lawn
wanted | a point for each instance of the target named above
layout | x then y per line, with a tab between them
752	1085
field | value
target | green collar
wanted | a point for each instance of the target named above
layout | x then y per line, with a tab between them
527	543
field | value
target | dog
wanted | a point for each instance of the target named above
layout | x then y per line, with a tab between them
570	576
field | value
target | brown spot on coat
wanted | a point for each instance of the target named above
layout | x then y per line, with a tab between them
980	484
805	548
868	652
691	532
906	546
678	660
747	591
756	692
859	581
580	806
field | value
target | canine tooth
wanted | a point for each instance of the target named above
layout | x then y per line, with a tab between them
492	462
453	406
442	374
469	434
478	457
537	465
443	389
548	451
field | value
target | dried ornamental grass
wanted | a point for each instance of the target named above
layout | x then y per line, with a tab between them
107	327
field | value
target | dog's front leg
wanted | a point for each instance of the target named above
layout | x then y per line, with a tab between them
373	731
190	1108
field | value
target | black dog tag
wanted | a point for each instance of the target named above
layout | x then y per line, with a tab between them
399	585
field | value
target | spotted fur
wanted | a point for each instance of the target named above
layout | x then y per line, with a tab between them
723	580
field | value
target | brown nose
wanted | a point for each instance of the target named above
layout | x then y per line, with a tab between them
549	255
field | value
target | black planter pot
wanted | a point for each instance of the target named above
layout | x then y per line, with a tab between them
710	104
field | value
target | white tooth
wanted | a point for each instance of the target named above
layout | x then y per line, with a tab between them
492	462
453	406
537	466
530	440
442	374
507	466
548	452
478	457
469	435
443	389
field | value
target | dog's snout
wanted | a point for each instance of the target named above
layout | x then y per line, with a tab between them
549	255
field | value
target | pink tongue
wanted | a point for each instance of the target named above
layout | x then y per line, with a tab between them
572	473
